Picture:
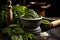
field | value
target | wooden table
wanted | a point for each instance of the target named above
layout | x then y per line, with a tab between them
55	33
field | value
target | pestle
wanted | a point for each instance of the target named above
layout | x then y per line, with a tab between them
55	23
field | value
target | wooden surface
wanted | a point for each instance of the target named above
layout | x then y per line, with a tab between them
54	33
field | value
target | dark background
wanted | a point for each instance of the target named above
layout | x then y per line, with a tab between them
53	10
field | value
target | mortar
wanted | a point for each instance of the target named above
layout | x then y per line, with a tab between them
30	22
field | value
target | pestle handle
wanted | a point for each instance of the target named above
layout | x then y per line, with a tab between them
56	23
